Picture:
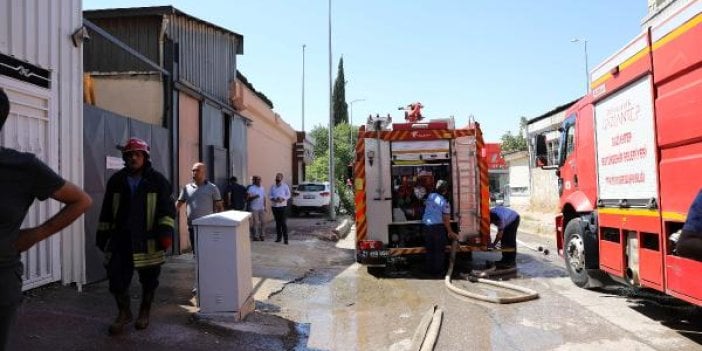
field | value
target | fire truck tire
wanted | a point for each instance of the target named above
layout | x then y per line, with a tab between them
574	253
376	271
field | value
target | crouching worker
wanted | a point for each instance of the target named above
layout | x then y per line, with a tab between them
437	225
507	222
690	243
136	227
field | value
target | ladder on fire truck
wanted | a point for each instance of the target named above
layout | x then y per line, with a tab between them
467	177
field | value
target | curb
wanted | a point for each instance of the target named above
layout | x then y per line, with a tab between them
342	230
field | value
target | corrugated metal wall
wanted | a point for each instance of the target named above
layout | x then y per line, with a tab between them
39	32
103	131
207	55
238	141
140	33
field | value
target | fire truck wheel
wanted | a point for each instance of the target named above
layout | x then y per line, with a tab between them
574	252
376	271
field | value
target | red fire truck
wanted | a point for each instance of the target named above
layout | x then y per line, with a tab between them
397	165
630	162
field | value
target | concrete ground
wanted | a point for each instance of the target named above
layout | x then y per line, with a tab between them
59	317
294	303
311	295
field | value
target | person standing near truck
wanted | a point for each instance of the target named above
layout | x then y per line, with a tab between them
690	243
507	222
437	228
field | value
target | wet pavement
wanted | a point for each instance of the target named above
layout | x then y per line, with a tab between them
311	295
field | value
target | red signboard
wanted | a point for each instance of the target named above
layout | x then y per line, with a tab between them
493	155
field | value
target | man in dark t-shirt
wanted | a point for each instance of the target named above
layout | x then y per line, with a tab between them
24	178
235	195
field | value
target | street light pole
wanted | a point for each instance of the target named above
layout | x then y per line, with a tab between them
351	118
351	109
587	68
303	87
332	212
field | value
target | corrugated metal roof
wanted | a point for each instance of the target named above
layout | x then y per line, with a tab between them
553	111
159	11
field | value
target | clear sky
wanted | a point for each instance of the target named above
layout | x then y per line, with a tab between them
496	60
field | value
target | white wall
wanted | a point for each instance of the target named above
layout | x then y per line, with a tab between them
519	181
39	32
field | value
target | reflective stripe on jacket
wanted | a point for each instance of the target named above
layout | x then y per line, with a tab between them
121	216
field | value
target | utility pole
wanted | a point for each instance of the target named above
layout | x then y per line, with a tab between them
303	87
332	212
351	118
587	68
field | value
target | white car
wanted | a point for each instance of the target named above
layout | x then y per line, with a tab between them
312	197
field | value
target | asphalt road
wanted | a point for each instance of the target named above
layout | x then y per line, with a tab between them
311	295
342	307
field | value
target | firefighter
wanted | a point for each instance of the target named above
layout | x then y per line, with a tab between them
690	243
136	227
437	225
507	222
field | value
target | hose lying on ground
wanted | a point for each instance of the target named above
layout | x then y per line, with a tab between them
529	294
427	331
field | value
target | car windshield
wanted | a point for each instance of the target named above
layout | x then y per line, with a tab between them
310	187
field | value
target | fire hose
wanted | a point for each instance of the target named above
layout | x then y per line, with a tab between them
528	294
427	332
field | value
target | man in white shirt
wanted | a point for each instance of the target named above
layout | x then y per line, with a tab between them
279	195
256	196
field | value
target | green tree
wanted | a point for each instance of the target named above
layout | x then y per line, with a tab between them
344	144
339	107
320	136
511	143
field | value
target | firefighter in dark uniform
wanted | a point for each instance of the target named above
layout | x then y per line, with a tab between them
136	227
690	243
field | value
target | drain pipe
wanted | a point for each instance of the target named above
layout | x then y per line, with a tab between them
527	294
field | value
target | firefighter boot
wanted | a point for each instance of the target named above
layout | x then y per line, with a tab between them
143	320
124	315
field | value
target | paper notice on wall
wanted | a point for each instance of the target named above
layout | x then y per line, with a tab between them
626	149
112	162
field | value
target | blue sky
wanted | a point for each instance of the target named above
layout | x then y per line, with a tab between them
496	60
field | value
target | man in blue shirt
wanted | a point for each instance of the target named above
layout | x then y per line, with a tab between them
507	222
690	242
437	224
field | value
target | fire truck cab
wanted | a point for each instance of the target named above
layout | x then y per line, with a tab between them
630	156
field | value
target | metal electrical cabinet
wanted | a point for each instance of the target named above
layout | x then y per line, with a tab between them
224	263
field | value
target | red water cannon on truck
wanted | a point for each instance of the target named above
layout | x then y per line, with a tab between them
630	162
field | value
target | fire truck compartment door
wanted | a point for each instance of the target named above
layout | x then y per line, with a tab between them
626	150
378	189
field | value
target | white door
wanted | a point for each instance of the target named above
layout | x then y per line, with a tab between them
31	128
